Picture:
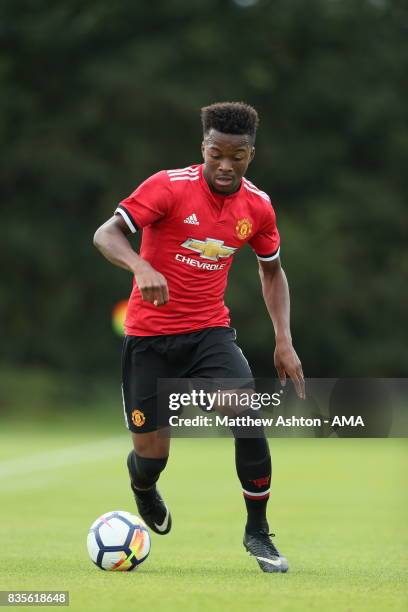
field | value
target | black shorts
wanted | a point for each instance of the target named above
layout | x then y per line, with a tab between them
211	353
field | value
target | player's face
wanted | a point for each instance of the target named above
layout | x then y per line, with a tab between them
226	159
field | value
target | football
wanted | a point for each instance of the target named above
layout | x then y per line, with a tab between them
118	541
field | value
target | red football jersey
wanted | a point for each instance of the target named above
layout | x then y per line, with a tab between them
190	235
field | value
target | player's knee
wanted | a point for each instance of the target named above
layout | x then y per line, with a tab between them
144	471
252	449
151	445
250	441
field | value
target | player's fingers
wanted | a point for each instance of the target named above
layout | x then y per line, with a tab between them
302	383
298	382
157	297
282	375
152	295
165	291
147	294
158	301
163	294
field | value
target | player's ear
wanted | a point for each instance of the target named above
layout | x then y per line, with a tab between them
252	154
202	149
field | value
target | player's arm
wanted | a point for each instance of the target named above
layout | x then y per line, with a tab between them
111	240
275	291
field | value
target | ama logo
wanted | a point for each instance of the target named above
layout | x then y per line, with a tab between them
343	421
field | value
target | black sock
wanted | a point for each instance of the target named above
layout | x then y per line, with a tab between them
254	468
144	473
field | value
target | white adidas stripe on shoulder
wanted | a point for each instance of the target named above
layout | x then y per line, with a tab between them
184	174
251	184
257	192
184	177
187	170
251	187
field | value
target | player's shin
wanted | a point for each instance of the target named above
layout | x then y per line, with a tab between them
254	469
144	472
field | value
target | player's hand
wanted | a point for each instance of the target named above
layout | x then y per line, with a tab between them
288	363
152	285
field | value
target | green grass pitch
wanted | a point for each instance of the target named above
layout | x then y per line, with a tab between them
338	508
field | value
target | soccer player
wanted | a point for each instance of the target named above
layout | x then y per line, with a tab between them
194	220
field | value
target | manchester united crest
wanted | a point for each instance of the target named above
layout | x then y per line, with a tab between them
138	418
243	228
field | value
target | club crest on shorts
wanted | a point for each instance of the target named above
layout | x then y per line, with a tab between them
243	228
138	418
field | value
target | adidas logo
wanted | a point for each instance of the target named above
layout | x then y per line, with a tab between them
192	220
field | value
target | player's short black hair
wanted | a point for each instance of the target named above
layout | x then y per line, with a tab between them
230	118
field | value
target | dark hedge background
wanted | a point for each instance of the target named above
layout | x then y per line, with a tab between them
98	95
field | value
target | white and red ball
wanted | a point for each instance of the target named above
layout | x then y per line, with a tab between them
118	541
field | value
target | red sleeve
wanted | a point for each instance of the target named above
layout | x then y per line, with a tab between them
266	242
148	203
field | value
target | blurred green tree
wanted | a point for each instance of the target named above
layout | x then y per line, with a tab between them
97	96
